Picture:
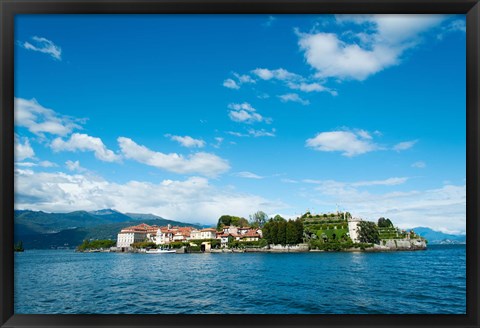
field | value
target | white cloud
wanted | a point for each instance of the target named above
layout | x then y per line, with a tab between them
31	164
387	182
387	38
277	74
248	175
202	163
366	183
457	25
364	134
404	145
294	98
74	166
311	87
38	119
241	79
237	134
261	133
231	84
219	141
84	142
187	141
45	46
22	150
348	142
245	113
244	78
419	164
177	200
442	208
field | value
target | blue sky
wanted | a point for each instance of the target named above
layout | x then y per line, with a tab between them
193	116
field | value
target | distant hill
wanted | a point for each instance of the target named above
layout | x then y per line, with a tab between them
41	230
139	216
437	237
42	222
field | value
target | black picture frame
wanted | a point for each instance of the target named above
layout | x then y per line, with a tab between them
10	8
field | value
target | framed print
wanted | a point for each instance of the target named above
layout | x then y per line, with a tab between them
235	163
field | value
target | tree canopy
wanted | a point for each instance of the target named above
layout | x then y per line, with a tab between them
368	232
258	219
279	231
384	223
227	220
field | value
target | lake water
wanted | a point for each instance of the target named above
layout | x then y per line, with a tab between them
421	282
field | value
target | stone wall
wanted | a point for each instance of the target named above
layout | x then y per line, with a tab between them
401	244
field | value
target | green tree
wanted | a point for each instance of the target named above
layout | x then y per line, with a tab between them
266	231
278	218
299	230
291	233
384	223
258	219
282	232
274	232
368	232
227	220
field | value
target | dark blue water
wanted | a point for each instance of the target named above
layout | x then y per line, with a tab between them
421	282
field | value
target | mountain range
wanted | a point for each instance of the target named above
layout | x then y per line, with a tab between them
41	230
437	237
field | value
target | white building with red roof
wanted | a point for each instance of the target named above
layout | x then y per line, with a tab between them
134	234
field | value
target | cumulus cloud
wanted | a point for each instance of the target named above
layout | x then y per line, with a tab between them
239	80
187	141
45	46
404	145
382	46
39	120
84	142
22	150
350	143
244	78
276	74
245	113
201	163
442	208
74	166
231	84
294	98
172	199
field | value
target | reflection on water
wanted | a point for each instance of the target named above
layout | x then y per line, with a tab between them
431	281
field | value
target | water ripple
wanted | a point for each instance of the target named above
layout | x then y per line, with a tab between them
328	283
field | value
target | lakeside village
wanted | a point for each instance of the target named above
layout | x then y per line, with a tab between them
309	232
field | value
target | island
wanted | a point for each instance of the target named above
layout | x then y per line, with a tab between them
309	232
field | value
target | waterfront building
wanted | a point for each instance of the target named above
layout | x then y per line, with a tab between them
230	229
208	233
353	229
164	236
250	235
224	238
134	234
